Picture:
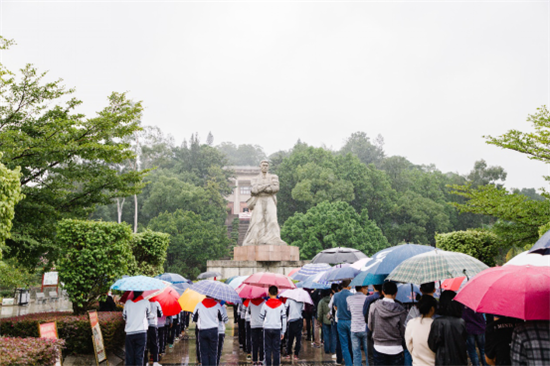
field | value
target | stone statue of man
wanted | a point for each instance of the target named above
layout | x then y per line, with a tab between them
264	228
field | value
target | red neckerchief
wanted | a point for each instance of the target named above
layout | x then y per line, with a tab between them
273	303
246	302
208	303
257	301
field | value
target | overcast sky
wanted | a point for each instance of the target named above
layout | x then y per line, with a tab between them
431	77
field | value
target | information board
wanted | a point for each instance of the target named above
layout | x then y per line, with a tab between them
49	330
50	279
97	337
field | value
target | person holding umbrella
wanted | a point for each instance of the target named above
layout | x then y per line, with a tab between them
295	324
136	313
152	333
221	331
273	316
256	326
206	315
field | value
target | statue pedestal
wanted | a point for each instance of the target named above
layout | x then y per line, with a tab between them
266	253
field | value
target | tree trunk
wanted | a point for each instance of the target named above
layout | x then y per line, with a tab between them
119	206
135	213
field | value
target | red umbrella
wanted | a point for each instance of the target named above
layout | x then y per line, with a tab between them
293	271
453	284
251	292
521	292
264	279
168	300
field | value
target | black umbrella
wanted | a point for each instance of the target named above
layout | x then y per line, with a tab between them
208	274
338	255
542	246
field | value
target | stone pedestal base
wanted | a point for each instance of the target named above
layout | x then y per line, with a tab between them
246	268
266	253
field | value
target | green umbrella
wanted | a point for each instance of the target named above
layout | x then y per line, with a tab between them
437	265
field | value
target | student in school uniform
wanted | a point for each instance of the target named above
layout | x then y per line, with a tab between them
248	337
295	325
257	330
136	314
152	334
207	316
221	331
273	316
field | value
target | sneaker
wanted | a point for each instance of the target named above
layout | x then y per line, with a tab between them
334	356
315	345
156	364
170	346
296	358
287	357
248	357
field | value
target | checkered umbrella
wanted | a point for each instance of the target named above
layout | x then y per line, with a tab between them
309	270
138	283
216	290
436	265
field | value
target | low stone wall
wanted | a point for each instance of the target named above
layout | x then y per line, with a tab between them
245	268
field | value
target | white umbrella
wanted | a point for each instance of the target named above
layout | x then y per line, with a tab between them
360	263
532	259
297	294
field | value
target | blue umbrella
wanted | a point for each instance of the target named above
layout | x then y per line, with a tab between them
172	278
217	290
310	269
366	279
326	275
230	279
406	293
385	261
311	283
181	287
237	281
542	246
340	274
138	283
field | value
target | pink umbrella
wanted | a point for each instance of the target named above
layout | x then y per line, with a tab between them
453	284
251	292
298	295
293	271
521	292
265	279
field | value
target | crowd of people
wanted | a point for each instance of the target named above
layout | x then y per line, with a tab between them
346	324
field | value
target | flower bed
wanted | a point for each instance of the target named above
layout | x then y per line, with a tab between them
74	329
29	351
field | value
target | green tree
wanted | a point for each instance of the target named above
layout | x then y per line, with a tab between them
483	175
149	251
193	241
244	154
480	244
93	255
360	145
330	225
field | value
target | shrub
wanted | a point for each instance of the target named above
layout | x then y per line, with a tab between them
149	250
477	243
29	351
74	329
94	255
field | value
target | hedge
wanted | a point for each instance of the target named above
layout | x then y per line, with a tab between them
74	329
29	351
480	244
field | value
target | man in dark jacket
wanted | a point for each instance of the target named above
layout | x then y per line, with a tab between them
386	321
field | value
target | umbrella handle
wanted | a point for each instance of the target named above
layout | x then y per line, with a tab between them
464	271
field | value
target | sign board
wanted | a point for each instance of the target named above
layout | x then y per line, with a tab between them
97	338
49	331
50	279
8	301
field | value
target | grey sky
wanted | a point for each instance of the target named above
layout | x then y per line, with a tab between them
431	77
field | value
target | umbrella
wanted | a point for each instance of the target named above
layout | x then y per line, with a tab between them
312	282
298	295
217	290
533	259
542	246
168	300
338	255
360	263
521	292
209	274
293	271
310	269
436	265
265	279
230	279
453	284
251	292
138	283
340	274
385	261
189	300
172	278
326	275
181	287
366	279
237	281
406	293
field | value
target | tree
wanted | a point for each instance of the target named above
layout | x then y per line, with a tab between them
330	225
149	251
244	154
210	139
359	144
483	175
65	158
93	256
193	241
480	244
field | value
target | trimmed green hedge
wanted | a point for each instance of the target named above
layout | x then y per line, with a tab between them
29	351
74	329
482	245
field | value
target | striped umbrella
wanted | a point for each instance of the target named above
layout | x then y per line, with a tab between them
312	282
328	274
310	269
436	265
216	290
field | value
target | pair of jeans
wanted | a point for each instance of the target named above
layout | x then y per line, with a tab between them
471	342
221	339
162	338
407	357
330	345
272	346
294	331
257	344
135	348
208	345
358	338
152	344
336	338
344	333
382	359
242	333
248	338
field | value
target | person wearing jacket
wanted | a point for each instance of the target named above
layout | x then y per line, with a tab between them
136	314
273	316
295	324
475	327
417	331
257	330
207	316
248	337
386	321
323	311
152	334
448	333
221	331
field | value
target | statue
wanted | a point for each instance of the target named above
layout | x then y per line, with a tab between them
264	228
